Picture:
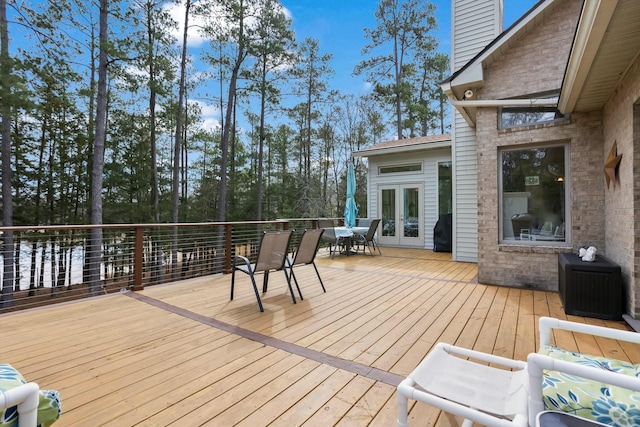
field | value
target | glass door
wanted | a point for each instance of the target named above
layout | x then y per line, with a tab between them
401	214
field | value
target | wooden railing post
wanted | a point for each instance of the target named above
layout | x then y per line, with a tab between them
228	228
138	259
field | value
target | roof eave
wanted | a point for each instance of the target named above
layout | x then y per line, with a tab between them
592	26
471	75
469	114
403	149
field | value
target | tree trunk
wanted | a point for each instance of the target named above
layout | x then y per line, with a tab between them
263	95
7	195
398	71
95	245
177	146
152	120
224	158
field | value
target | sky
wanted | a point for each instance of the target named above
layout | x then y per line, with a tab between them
339	27
339	24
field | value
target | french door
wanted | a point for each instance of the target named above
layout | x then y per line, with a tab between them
400	207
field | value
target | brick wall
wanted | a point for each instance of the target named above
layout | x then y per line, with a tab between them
536	64
536	266
621	119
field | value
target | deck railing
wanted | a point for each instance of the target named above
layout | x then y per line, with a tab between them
50	262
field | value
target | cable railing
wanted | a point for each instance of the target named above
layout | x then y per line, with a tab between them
51	264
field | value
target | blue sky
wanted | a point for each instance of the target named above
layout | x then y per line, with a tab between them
339	24
339	27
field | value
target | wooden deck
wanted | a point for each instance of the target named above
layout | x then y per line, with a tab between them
183	354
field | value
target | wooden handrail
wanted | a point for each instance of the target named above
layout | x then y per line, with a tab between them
134	255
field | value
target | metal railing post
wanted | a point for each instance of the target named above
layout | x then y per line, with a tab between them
228	228
138	252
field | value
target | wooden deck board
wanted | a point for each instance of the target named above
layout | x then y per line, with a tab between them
159	359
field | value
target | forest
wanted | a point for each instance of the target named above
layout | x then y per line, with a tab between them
106	112
283	137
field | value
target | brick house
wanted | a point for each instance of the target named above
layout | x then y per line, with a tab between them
540	111
544	106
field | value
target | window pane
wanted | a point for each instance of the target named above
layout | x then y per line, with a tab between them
445	188
414	167
411	212
521	116
533	194
388	212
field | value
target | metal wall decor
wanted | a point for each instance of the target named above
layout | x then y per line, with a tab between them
612	164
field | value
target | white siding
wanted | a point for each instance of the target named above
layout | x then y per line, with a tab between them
475	24
465	193
428	178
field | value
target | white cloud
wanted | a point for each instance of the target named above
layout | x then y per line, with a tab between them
176	11
210	124
210	115
197	23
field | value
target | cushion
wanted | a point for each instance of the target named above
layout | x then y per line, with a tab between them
49	408
590	399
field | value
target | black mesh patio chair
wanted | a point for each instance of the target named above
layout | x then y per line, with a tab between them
272	255
368	240
329	235
364	222
306	254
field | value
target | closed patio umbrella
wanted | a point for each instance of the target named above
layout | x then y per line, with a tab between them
350	208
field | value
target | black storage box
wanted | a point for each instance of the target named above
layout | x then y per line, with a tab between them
592	289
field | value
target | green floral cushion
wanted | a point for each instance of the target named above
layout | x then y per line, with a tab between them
590	399
49	408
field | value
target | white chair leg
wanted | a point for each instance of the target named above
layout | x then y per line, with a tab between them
403	411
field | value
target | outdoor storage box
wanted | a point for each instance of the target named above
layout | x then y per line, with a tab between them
592	289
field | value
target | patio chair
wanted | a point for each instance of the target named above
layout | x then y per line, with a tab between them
364	222
23	400
306	254
461	382
591	387
272	255
483	394
329	235
23	404
368	240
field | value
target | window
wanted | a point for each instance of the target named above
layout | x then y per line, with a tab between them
413	167
533	194
529	115
445	188
522	116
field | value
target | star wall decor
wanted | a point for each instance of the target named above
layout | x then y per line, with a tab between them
612	164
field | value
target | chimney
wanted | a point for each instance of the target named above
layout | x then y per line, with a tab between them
475	23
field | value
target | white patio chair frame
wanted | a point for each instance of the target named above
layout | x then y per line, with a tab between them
537	363
26	397
446	380
461	387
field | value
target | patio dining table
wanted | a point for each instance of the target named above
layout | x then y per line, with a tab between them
346	234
